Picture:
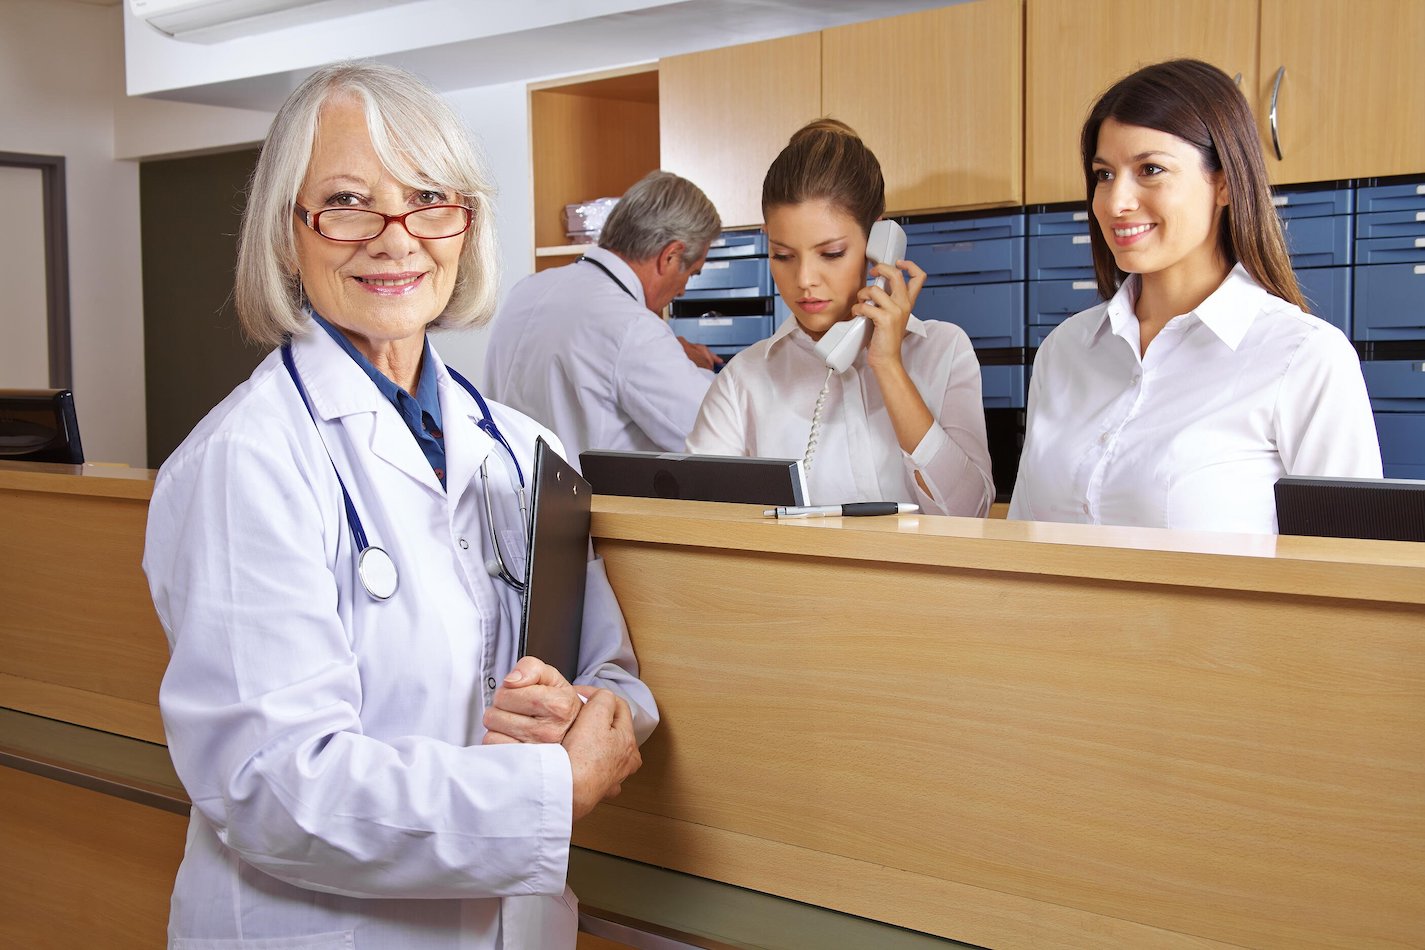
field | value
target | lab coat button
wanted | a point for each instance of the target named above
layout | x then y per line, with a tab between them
464	545
490	682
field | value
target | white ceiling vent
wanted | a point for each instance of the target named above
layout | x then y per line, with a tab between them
213	21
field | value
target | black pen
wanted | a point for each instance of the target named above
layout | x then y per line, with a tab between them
855	509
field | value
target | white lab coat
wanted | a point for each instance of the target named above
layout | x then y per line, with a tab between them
583	354
331	743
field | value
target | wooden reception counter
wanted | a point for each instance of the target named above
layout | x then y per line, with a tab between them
1015	735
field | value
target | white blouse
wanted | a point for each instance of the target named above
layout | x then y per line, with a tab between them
761	404
1228	398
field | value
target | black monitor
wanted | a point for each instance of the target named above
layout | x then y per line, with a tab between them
740	479
39	425
1381	509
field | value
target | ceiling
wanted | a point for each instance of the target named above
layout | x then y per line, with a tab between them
462	44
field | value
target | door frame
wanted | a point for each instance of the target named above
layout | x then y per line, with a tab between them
51	167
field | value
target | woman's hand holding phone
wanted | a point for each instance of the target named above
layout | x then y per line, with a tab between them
889	309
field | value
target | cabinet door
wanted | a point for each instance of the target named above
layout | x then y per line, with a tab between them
726	113
1076	50
1352	99
938	96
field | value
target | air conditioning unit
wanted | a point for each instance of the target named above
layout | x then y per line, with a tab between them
211	21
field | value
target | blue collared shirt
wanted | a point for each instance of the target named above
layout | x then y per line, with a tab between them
420	412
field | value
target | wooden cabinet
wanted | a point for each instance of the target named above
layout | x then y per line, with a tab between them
1076	50
939	97
590	138
726	113
1352	97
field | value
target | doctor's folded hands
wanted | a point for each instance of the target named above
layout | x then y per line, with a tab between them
370	763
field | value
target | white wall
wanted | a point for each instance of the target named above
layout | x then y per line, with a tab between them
499	117
61	67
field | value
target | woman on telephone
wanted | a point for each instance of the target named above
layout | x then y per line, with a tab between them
904	420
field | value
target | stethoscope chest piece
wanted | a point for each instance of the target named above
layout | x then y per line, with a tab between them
377	572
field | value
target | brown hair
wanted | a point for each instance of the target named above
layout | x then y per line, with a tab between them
1199	104
826	160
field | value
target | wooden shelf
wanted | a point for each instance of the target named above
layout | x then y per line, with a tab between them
562	250
591	137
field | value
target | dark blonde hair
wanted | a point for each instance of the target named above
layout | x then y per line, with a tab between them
1199	104
826	160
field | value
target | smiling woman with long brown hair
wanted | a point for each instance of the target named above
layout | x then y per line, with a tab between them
1181	400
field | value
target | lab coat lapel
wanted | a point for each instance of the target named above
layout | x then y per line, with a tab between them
341	392
466	446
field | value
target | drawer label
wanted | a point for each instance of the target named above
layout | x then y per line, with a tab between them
720	242
1280	200
1420	216
716	265
1420	268
1420	242
1420	189
1086	285
1081	215
714	321
1081	239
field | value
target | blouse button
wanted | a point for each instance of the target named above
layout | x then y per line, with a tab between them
464	545
490	682
1086	507
1135	379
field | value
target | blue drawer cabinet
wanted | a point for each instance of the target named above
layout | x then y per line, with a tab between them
992	315
1402	444
1318	242
1060	257
1407	197
1395	385
1313	203
1002	386
1397	391
1328	294
1058	222
981	228
1051	302
1389	302
738	244
983	250
1390	224
731	277
714	330
1393	250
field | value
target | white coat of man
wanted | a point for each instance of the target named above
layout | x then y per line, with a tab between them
583	349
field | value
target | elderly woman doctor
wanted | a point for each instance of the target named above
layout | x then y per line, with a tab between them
368	764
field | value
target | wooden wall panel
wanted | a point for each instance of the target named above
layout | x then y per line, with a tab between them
81	869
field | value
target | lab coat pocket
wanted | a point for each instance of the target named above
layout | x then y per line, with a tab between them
541	921
512	546
337	940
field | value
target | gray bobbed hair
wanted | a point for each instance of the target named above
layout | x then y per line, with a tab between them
420	141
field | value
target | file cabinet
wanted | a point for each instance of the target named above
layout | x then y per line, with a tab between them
728	306
1316	222
1389	317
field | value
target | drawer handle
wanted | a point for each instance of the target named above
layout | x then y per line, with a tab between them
1272	115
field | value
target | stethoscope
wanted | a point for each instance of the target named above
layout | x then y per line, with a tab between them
374	566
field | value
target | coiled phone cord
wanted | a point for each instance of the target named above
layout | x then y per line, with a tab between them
815	433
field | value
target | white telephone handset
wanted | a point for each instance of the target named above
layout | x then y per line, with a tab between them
840	344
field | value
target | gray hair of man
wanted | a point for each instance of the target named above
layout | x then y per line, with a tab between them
420	141
658	209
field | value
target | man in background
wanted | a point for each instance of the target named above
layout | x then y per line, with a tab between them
583	348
